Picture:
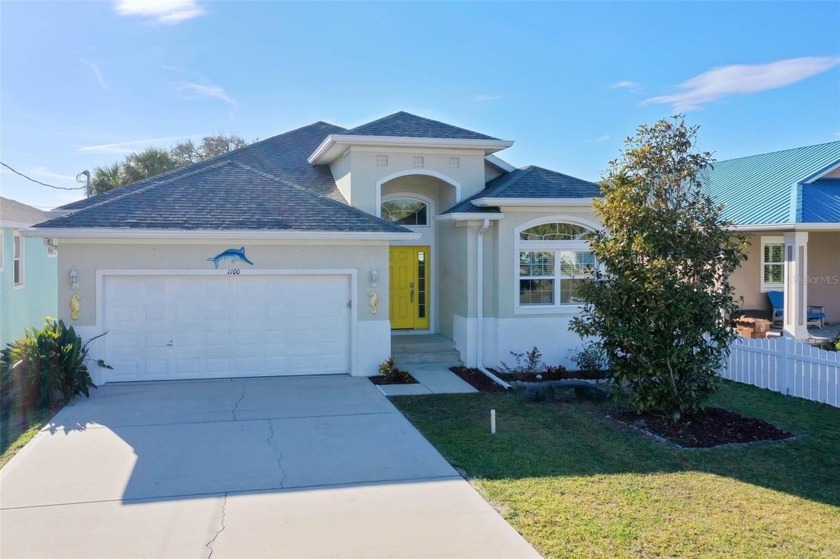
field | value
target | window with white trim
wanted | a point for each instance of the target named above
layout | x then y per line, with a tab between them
405	211
17	256
554	260
772	263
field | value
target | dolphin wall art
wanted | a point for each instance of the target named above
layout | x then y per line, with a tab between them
232	254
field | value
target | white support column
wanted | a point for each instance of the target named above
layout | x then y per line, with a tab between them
796	284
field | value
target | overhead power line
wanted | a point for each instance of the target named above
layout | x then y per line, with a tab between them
39	182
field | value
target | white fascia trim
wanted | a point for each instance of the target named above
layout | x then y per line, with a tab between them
821	174
321	154
533	202
500	163
463	216
788	227
67	233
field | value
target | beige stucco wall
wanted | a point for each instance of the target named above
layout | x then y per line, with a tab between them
88	257
747	278
824	272
365	174
456	286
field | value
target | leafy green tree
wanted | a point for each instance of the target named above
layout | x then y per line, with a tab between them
106	178
154	161
147	163
661	303
187	152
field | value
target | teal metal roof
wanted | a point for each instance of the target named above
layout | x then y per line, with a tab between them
772	188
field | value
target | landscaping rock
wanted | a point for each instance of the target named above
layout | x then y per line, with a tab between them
558	391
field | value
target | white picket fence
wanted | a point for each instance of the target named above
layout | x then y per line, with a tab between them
787	366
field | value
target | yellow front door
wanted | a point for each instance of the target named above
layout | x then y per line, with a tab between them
410	295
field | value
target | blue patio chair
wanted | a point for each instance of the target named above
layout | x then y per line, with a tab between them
816	313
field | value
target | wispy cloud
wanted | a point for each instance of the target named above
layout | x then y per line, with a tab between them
632	86
485	98
191	90
96	71
46	173
603	138
738	79
160	11
132	145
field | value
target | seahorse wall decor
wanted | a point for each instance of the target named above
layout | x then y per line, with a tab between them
374	301
75	307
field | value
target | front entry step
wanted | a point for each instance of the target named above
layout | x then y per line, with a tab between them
424	349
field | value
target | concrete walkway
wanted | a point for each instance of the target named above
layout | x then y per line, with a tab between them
270	467
432	378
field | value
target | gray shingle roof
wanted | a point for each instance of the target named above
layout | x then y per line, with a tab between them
12	211
407	125
529	182
225	195
282	156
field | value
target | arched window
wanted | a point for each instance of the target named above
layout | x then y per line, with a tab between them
554	259
406	211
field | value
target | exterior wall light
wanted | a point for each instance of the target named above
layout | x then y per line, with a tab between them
374	277
74	278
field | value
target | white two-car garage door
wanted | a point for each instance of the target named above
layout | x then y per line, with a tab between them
216	326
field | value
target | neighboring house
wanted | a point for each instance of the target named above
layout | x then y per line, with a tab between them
327	242
28	268
789	204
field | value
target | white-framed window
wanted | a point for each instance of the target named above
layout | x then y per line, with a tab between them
52	247
772	264
553	259
406	211
17	259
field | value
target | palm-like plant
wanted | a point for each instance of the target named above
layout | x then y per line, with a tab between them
107	178
148	163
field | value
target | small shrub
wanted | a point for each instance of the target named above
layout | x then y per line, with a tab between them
527	362
45	366
388	367
590	359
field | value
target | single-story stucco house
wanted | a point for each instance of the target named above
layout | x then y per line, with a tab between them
305	252
28	266
788	202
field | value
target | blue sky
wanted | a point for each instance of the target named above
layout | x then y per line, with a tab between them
83	83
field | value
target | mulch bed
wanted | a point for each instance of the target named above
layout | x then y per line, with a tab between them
557	373
709	428
397	377
477	379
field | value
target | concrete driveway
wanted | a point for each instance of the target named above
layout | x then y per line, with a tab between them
268	467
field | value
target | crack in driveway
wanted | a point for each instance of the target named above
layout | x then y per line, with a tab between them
239	401
279	453
209	545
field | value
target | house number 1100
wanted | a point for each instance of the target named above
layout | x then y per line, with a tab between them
233	272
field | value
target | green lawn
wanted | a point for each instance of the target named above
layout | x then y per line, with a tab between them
576	484
15	432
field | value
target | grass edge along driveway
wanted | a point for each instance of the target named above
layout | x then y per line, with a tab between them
576	484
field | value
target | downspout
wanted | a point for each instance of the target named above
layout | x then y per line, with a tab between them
479	306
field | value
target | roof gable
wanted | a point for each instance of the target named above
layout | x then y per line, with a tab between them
224	196
530	182
769	188
407	125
